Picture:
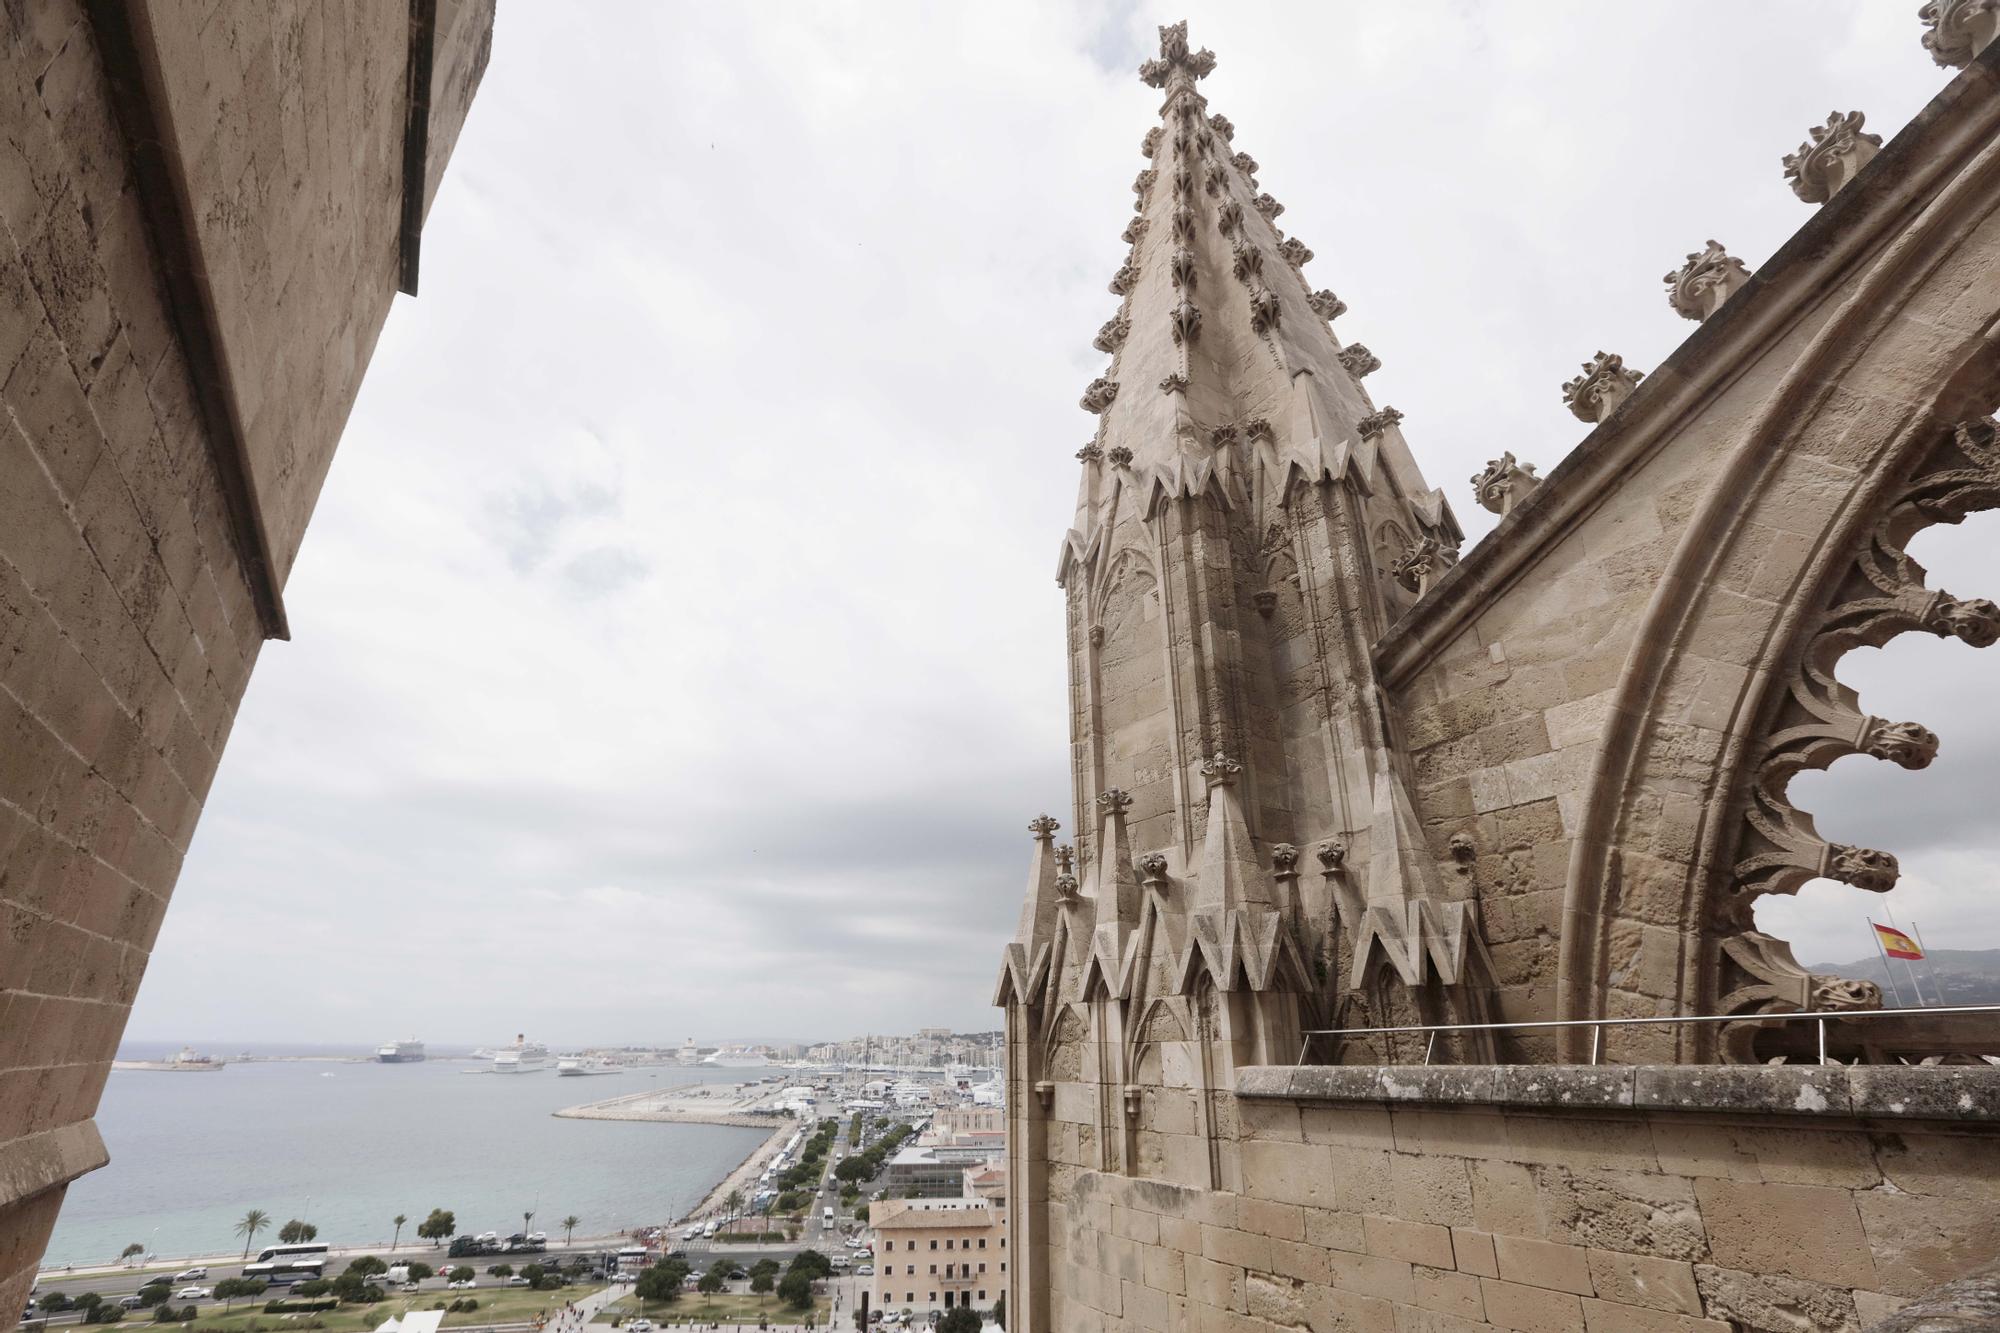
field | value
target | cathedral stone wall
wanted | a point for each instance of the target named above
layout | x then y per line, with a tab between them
145	440
1674	1200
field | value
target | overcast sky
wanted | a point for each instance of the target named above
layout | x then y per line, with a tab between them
676	647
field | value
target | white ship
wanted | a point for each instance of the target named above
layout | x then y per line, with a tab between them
738	1057
400	1052
576	1066
184	1061
523	1057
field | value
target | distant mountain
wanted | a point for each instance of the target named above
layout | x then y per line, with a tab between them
1959	976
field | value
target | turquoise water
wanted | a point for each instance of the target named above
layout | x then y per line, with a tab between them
358	1143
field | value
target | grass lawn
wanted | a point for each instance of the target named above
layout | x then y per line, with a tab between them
497	1305
724	1308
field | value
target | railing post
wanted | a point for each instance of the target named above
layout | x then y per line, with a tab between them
1430	1046
1596	1038
1304	1046
1822	1040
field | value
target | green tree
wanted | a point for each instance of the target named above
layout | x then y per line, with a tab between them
253	1222
130	1250
527	1220
1000	1310
500	1270
663	1281
367	1266
812	1263
462	1273
714	1279
397	1239
230	1288
55	1303
318	1286
733	1202
153	1293
418	1272
296	1232
103	1314
569	1225
90	1300
533	1272
963	1319
795	1289
439	1226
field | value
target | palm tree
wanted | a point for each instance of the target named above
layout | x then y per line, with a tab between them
253	1222
733	1201
399	1219
527	1219
569	1224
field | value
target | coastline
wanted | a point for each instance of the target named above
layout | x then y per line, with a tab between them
746	1105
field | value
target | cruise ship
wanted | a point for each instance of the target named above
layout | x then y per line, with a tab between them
400	1052
523	1057
575	1066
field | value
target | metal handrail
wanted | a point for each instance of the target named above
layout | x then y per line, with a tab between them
1597	1025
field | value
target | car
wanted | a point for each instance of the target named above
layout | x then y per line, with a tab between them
192	1275
640	1326
463	1284
865	1270
130	1302
195	1294
518	1281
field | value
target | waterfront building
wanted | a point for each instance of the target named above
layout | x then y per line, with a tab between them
1331	775
205	212
942	1253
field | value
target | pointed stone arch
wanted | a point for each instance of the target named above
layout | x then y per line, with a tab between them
1793	556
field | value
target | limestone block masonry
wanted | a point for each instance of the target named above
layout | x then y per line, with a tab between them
1334	778
205	211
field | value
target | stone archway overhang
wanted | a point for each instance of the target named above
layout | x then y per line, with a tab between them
1873	246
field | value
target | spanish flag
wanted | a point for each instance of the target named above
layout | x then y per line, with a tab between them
1895	943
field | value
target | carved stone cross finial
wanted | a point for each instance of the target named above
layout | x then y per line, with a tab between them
1958	30
1419	566
1153	869
1831	157
1604	383
1711	276
1066	859
1177	64
1332	856
1043	827
1120	456
1113	801
1090	453
1500	487
1220	770
1285	860
1067	889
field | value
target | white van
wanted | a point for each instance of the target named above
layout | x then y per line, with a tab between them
829	1216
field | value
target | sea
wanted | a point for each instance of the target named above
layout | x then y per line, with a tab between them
347	1146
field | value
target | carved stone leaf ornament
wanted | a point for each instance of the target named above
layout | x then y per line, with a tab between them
1223	126
1183	223
1376	422
1112	336
1604	384
1186	318
1294	252
1358	361
1832	155
1182	269
1326	305
1099	395
1711	276
1502	484
1134	229
1228	216
1123	280
1958	30
1120	456
1269	207
1175	382
1142	185
1176	57
1090	453
1264	309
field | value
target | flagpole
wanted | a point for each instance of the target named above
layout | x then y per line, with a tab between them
1930	966
1908	971
1876	935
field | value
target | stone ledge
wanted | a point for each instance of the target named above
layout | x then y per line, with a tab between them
53	1157
1890	1092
